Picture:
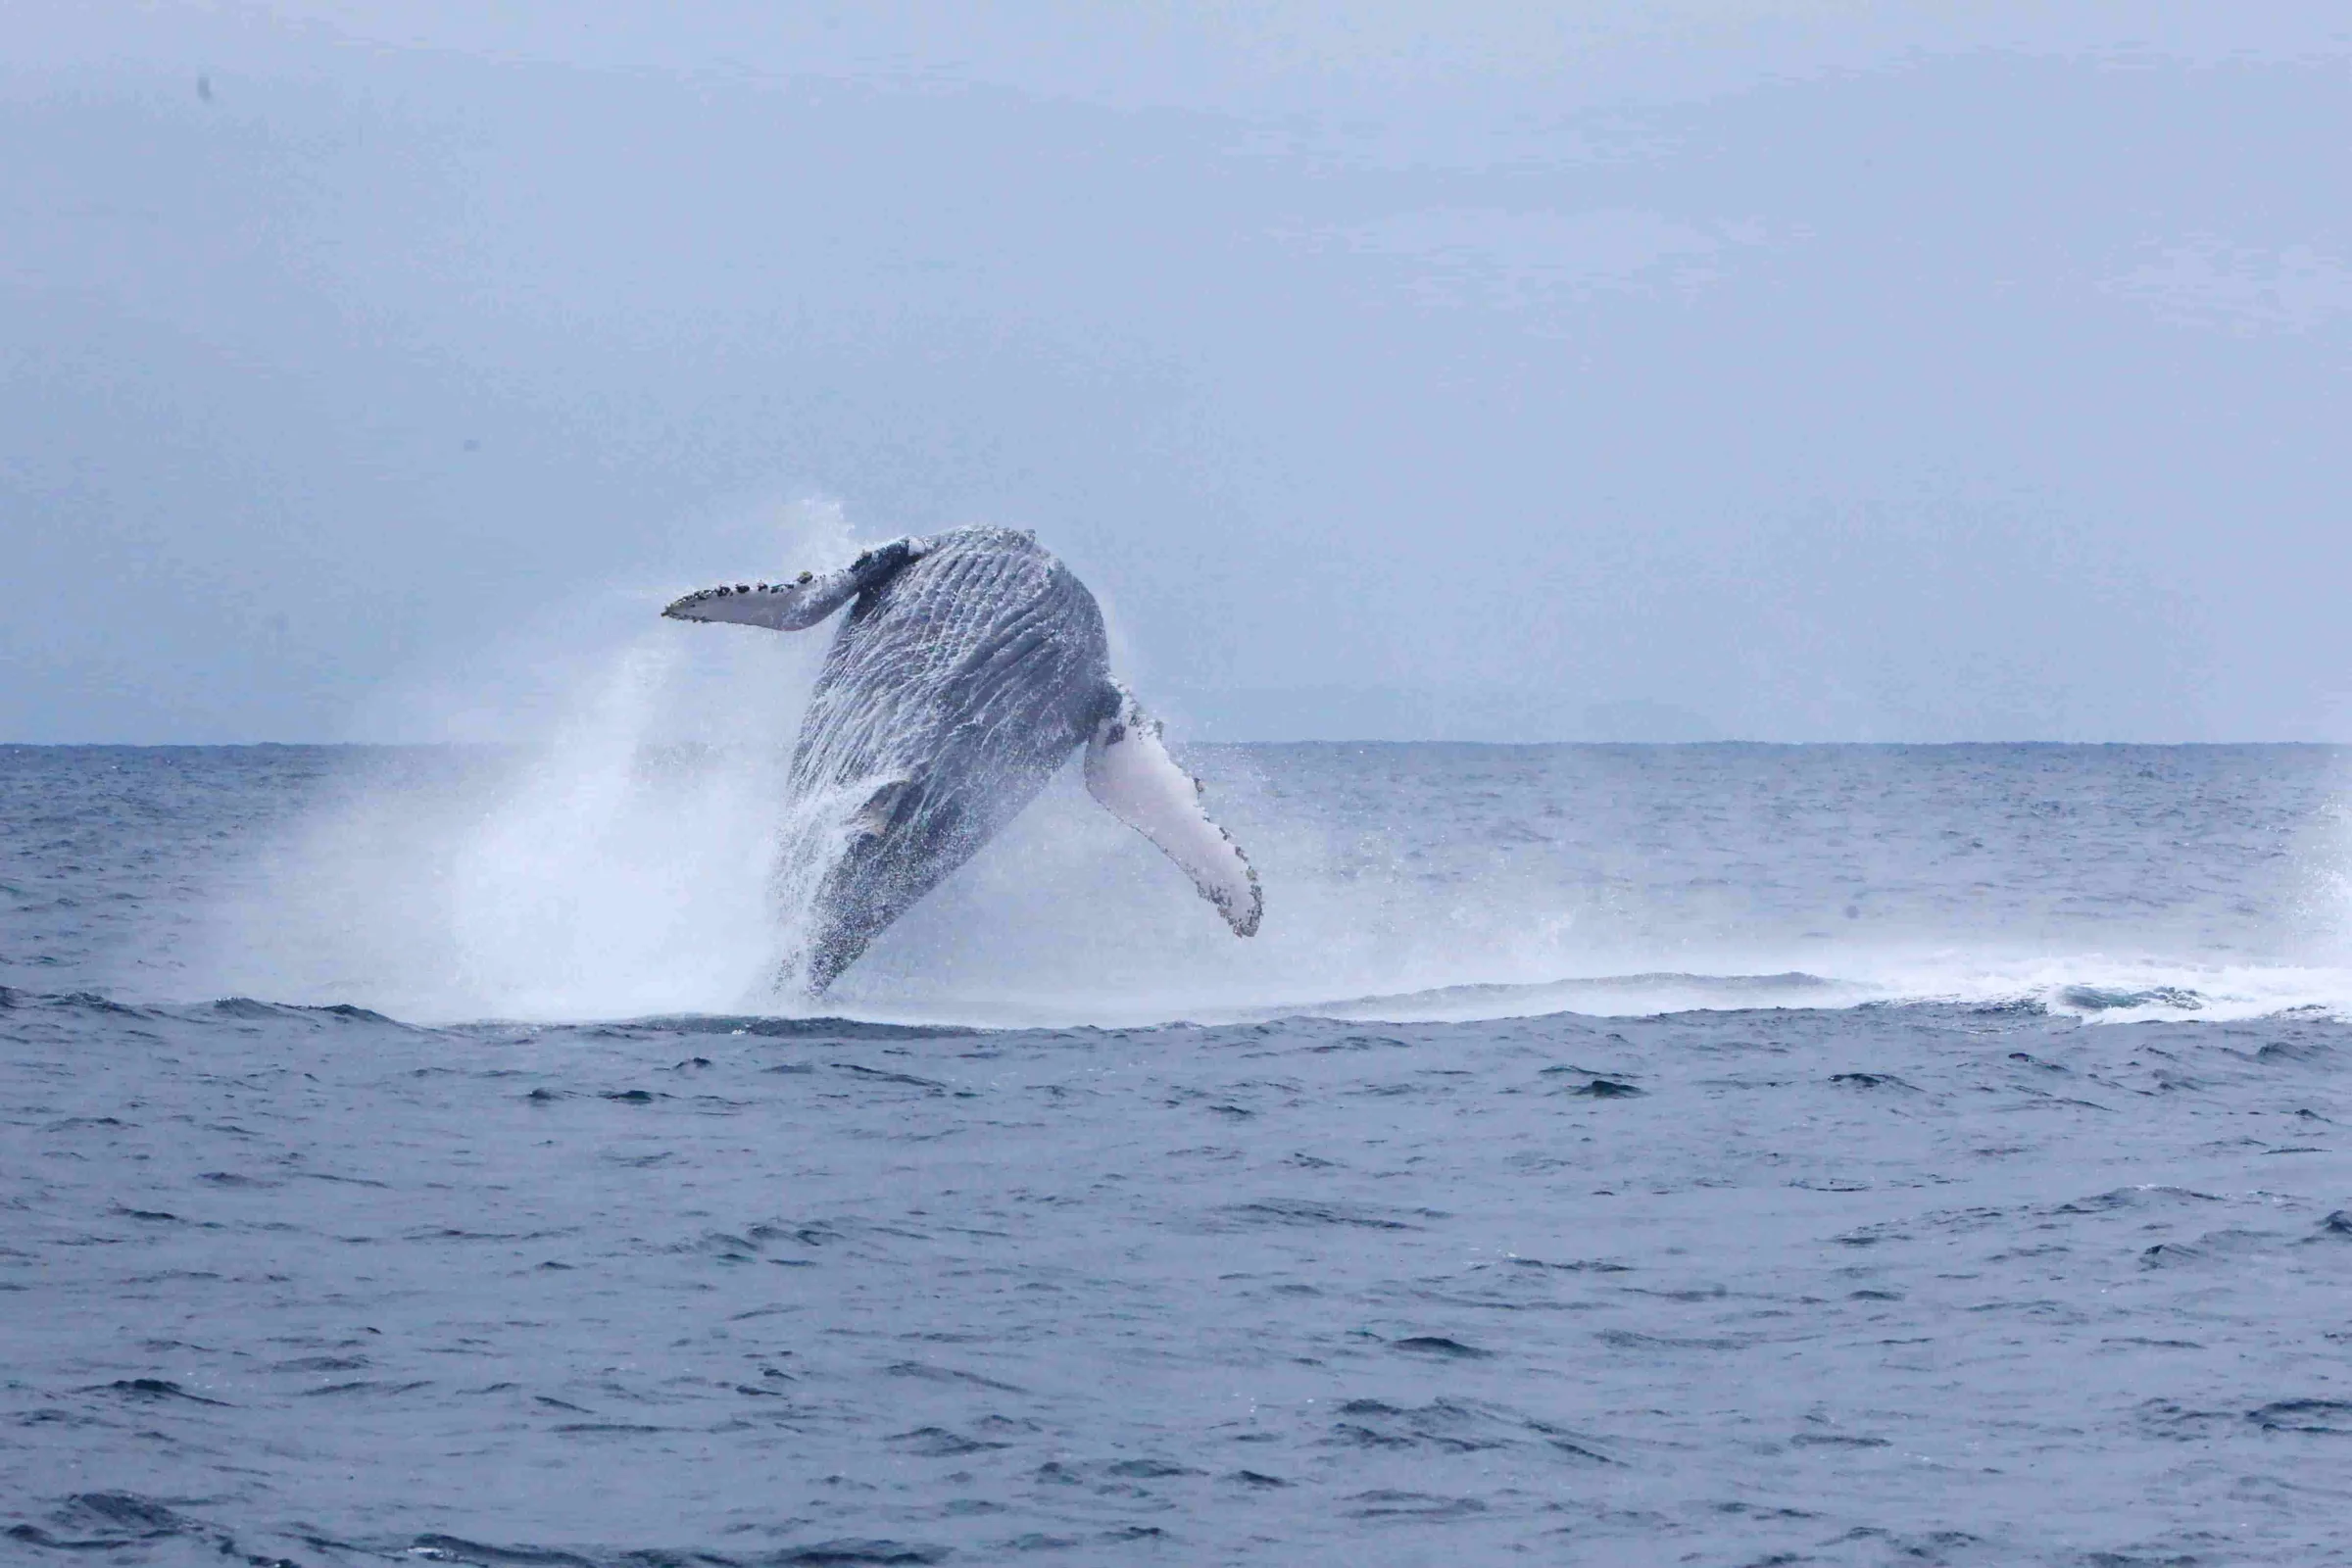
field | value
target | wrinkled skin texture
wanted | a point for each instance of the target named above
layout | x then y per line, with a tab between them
957	686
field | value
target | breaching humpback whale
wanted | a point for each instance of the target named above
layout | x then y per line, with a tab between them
969	667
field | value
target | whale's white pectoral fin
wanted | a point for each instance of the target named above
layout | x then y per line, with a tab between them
1132	774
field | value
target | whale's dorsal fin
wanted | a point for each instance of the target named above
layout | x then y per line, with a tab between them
800	603
1132	774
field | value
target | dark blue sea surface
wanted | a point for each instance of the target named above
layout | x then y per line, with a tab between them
1709	1154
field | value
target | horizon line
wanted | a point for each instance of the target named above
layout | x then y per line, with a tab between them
1491	744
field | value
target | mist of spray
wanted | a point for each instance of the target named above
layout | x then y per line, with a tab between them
638	855
599	838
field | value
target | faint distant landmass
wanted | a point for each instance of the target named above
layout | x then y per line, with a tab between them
1429	714
1640	719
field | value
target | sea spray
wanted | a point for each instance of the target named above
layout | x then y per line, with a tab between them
617	869
603	840
810	837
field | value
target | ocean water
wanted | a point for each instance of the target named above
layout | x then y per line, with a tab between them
1610	1154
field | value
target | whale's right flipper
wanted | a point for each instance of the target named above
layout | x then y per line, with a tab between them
1132	774
801	603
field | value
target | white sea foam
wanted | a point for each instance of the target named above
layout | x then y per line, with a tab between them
634	859
607	875
619	857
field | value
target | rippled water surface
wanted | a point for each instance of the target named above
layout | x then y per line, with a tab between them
1612	1155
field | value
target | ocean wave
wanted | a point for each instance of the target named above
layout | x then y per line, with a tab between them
2106	994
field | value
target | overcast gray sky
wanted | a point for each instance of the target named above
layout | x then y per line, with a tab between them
1804	371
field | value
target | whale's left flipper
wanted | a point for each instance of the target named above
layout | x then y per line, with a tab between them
1132	774
802	603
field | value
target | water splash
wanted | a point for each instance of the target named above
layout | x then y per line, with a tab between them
638	859
617	856
617	872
